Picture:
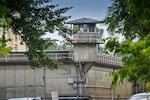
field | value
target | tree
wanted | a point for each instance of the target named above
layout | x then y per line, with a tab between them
130	19
31	19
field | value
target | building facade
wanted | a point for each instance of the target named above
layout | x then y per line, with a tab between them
14	41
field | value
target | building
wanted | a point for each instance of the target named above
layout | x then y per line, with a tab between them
15	41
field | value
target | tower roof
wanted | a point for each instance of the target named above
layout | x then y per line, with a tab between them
83	21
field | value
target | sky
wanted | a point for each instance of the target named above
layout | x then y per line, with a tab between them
95	9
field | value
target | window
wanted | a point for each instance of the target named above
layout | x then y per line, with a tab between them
16	47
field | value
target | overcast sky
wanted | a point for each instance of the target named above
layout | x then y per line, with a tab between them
95	9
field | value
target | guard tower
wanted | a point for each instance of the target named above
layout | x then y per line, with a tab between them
85	40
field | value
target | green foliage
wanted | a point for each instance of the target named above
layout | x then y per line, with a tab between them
31	19
130	19
63	45
136	59
148	87
4	51
41	60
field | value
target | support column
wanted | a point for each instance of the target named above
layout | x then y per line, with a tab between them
82	68
80	79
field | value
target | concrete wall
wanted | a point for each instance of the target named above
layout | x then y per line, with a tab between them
85	53
22	81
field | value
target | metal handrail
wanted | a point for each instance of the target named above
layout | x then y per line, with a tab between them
104	58
101	58
22	57
86	37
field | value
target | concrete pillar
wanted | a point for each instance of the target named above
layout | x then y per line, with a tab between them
82	69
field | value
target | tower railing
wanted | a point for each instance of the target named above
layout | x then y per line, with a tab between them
88	30
86	38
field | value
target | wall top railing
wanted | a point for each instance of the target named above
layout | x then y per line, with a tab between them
21	57
65	56
109	60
